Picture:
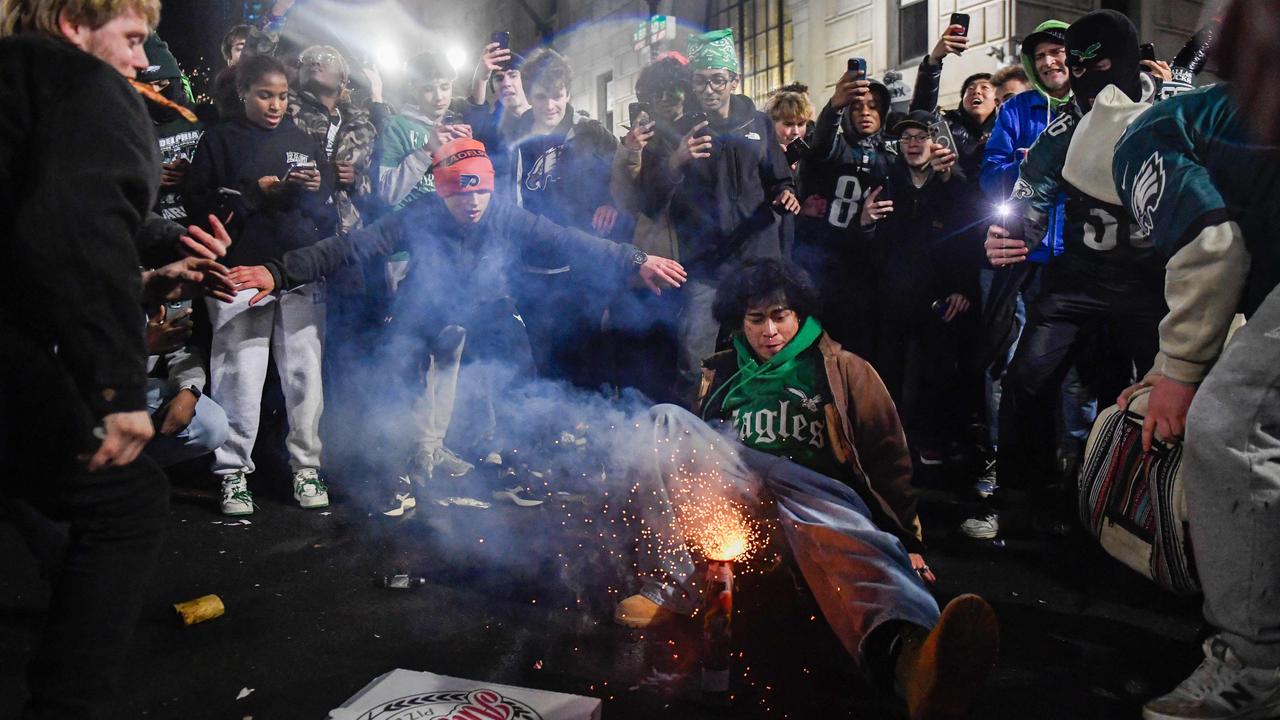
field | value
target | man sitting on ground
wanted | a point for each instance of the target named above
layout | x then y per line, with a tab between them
821	440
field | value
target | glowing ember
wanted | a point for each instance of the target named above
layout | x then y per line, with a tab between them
714	526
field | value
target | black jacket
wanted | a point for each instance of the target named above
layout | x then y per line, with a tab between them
918	244
454	269
72	198
233	156
721	206
970	135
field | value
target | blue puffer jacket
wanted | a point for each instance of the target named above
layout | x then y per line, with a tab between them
1019	123
1021	120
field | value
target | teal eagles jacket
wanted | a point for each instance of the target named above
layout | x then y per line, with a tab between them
1210	197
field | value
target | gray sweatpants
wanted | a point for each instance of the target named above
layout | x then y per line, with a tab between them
289	327
1231	470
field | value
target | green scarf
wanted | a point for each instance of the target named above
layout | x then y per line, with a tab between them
754	378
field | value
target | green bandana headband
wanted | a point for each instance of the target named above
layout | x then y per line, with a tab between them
713	50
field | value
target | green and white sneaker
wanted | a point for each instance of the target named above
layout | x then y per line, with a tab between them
1222	688
309	490
236	499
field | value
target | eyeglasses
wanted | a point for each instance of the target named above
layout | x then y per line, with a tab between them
323	57
715	82
914	138
662	96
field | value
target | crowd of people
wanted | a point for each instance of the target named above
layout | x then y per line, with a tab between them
842	293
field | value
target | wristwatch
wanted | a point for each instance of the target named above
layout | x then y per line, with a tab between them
195	390
639	258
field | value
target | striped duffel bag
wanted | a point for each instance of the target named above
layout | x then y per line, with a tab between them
1133	501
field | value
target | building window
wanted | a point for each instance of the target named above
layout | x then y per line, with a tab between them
913	30
762	29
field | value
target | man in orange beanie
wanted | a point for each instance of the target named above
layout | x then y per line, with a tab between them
456	297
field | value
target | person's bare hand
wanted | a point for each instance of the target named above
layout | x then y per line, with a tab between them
942	159
186	279
176	415
659	272
198	243
345	173
787	201
639	135
606	216
874	209
444	134
1166	410
1122	400
1003	250
375	82
1158	68
307	179
814	206
957	304
123	435
494	57
848	87
253	277
922	569
173	173
166	334
951	43
693	146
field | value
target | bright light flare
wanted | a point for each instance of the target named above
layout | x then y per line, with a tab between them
1003	210
389	56
456	56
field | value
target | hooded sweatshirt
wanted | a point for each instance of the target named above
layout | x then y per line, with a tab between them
722	206
1018	125
233	156
404	162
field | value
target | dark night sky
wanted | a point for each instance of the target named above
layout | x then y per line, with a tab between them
194	29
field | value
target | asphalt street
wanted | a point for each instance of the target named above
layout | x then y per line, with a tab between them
523	596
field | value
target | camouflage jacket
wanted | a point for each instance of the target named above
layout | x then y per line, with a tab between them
353	144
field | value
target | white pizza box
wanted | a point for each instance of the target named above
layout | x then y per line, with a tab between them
411	695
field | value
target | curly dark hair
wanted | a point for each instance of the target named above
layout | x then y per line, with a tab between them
665	75
251	70
760	281
547	68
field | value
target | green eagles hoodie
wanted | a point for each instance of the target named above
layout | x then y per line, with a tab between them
777	406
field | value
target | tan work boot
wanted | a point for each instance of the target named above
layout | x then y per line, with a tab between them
941	671
639	611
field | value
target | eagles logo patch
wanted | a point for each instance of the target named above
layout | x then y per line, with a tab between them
1088	53
1022	190
1148	187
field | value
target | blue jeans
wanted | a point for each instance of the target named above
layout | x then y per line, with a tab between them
206	433
859	574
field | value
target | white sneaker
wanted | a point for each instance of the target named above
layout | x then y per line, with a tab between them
402	499
1222	688
983	528
518	495
236	499
309	490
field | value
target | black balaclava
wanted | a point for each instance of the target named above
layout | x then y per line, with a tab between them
1103	34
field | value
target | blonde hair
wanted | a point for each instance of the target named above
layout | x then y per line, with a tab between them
789	102
41	16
